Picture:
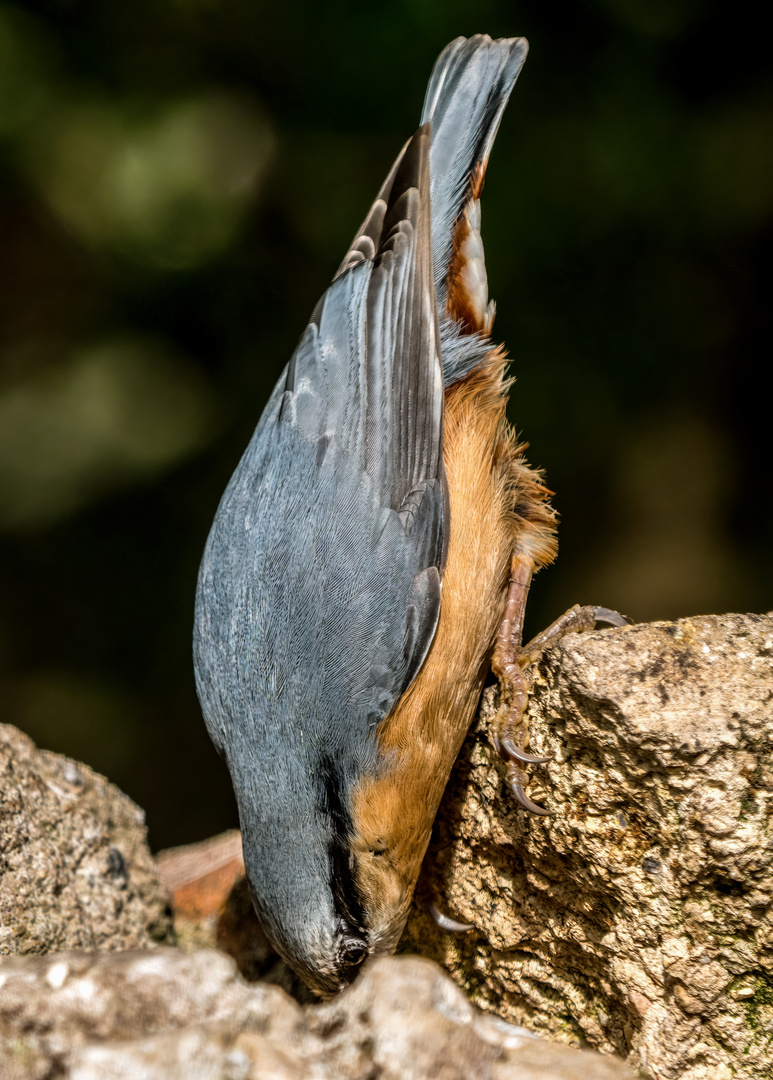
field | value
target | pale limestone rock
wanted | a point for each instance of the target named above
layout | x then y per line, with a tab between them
170	1015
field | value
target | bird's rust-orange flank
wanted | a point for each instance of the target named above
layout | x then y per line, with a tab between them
498	507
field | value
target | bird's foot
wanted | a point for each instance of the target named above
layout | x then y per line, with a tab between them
511	664
510	730
573	621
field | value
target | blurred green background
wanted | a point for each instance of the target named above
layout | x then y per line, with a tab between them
178	181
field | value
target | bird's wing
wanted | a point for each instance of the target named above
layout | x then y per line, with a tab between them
368	367
319	591
367	239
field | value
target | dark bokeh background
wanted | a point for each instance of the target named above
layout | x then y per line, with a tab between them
178	181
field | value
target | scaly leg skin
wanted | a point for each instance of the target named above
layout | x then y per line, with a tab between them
509	729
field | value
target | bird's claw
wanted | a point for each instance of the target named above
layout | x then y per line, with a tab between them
445	922
511	719
511	752
610	617
526	803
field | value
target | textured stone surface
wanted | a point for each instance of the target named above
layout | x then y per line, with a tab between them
171	1015
637	919
75	868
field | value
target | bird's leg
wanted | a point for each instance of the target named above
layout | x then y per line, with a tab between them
510	664
509	728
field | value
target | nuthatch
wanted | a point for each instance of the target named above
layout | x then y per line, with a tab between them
374	545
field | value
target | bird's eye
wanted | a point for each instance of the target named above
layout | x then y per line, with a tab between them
354	952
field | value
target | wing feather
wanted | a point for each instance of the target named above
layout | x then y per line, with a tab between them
319	590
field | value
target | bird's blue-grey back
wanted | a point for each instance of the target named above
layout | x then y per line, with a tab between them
319	589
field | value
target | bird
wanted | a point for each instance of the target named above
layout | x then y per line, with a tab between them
371	556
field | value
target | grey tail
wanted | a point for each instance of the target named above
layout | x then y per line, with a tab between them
470	85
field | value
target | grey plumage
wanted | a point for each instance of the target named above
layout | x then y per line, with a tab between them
319	590
469	88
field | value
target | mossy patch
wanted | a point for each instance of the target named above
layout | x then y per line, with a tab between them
762	999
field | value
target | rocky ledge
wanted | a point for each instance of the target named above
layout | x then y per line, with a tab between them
171	1015
637	919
